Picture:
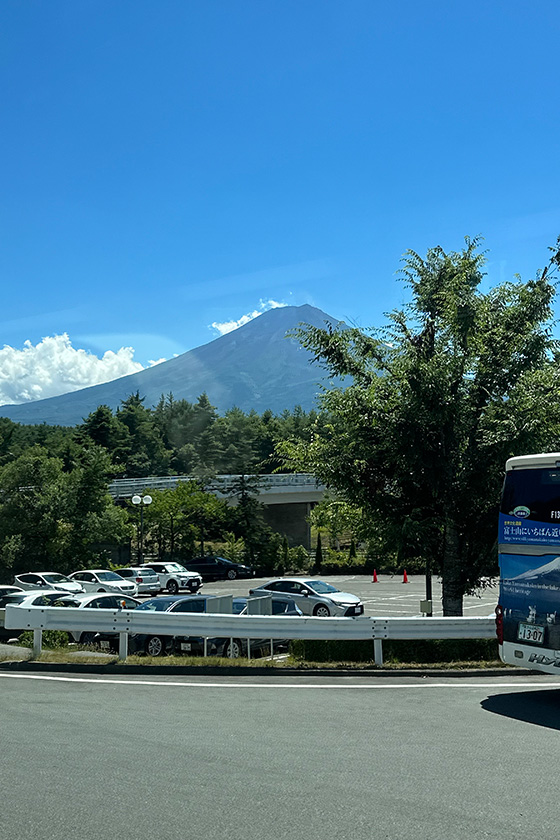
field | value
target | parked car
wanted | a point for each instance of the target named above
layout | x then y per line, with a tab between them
173	577
99	601
219	568
10	590
160	644
314	597
24	598
103	580
145	579
234	648
50	580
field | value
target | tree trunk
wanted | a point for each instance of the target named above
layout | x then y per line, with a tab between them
452	589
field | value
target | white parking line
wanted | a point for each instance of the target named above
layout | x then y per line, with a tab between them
104	681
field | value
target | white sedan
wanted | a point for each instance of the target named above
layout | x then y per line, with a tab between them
314	597
97	602
49	580
103	580
21	598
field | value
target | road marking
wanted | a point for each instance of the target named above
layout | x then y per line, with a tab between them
104	681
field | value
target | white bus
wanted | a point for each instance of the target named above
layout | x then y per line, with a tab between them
528	611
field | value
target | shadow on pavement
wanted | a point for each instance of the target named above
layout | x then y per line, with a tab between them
539	707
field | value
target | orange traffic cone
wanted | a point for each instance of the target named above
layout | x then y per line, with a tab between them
374	579
405	577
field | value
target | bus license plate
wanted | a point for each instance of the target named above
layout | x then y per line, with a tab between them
530	633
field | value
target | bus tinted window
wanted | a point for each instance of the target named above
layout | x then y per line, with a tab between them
536	490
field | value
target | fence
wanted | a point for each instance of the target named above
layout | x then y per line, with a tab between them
212	625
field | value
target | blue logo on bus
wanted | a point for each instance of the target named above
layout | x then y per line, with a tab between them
521	511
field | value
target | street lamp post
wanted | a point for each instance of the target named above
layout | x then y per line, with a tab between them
141	500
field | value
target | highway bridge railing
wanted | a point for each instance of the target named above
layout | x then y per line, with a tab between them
221	625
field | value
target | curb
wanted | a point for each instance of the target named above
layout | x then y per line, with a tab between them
224	671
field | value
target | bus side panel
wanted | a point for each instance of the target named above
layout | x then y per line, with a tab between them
530	600
521	655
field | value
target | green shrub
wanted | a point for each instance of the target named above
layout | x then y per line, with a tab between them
339	562
51	639
299	560
412	651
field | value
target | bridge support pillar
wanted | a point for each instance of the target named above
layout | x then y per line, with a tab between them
291	520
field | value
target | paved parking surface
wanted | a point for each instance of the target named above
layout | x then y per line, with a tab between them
278	758
388	597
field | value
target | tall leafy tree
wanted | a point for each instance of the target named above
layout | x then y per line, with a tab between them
457	382
52	518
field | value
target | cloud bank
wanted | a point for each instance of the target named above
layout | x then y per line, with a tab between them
228	326
54	367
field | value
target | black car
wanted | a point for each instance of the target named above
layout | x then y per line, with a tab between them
159	644
212	567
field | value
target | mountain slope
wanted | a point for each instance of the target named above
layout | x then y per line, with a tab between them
254	367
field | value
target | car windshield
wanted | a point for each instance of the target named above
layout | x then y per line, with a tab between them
320	587
56	578
175	567
13	599
158	605
108	576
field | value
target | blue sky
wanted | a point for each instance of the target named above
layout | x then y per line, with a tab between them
171	165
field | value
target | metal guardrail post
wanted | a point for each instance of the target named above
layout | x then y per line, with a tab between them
37	642
123	645
378	652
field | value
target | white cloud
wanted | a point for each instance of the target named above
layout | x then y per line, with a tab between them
228	326
54	367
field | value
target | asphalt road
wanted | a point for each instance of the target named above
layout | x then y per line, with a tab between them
279	757
388	597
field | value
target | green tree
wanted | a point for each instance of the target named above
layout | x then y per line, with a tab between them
179	518
141	449
56	519
248	515
318	553
457	382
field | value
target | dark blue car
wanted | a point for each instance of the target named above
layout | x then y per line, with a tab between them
159	645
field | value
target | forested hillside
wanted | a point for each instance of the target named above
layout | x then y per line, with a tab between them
176	437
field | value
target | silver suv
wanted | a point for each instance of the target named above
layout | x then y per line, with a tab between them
173	577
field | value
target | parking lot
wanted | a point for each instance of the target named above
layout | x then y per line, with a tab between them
388	597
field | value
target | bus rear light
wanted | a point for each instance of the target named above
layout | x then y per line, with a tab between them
500	624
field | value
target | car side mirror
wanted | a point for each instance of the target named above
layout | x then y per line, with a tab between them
306	593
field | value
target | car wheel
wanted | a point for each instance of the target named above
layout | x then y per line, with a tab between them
172	587
233	649
321	611
232	574
155	646
88	639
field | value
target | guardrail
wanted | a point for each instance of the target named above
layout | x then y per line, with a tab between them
221	485
208	625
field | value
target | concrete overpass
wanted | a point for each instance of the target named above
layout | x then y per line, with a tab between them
287	497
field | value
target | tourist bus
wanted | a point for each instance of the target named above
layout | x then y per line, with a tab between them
528	611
